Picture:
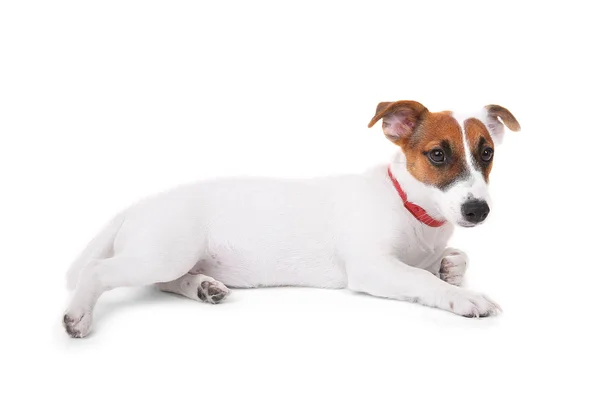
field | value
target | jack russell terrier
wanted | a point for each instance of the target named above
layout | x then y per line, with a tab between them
383	232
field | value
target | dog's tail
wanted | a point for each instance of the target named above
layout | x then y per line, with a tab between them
100	247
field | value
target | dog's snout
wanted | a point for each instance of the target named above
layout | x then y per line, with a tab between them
475	211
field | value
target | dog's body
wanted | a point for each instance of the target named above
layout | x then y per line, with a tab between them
349	231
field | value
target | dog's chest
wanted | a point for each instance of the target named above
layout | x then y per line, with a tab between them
421	246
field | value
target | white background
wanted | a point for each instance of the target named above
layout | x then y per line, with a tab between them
102	103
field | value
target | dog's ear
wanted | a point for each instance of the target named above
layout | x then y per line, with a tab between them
399	118
497	118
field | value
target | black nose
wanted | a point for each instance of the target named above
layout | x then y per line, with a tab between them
475	211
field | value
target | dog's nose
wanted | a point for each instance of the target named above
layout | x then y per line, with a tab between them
475	211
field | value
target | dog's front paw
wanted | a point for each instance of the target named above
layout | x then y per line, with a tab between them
77	325
470	304
453	266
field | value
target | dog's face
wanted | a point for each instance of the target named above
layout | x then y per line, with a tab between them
451	154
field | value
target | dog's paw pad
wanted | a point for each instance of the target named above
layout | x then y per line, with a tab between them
77	326
212	291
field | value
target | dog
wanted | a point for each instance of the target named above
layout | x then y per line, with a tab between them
383	232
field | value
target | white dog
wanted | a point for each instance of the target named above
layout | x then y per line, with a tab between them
383	232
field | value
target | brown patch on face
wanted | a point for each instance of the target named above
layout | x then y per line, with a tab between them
478	138
435	131
418	131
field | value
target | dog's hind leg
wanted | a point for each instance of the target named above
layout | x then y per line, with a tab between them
100	247
99	276
196	287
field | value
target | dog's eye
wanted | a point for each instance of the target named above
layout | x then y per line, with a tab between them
437	156
487	154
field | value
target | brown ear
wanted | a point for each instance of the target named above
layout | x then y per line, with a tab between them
399	118
494	112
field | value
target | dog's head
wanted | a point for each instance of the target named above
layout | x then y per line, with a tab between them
452	155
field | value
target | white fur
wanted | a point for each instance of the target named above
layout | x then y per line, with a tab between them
347	231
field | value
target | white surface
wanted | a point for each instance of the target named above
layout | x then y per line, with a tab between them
203	89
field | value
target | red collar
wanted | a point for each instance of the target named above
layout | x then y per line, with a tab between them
418	212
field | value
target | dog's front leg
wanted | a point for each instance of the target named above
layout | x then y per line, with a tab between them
389	277
452	266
